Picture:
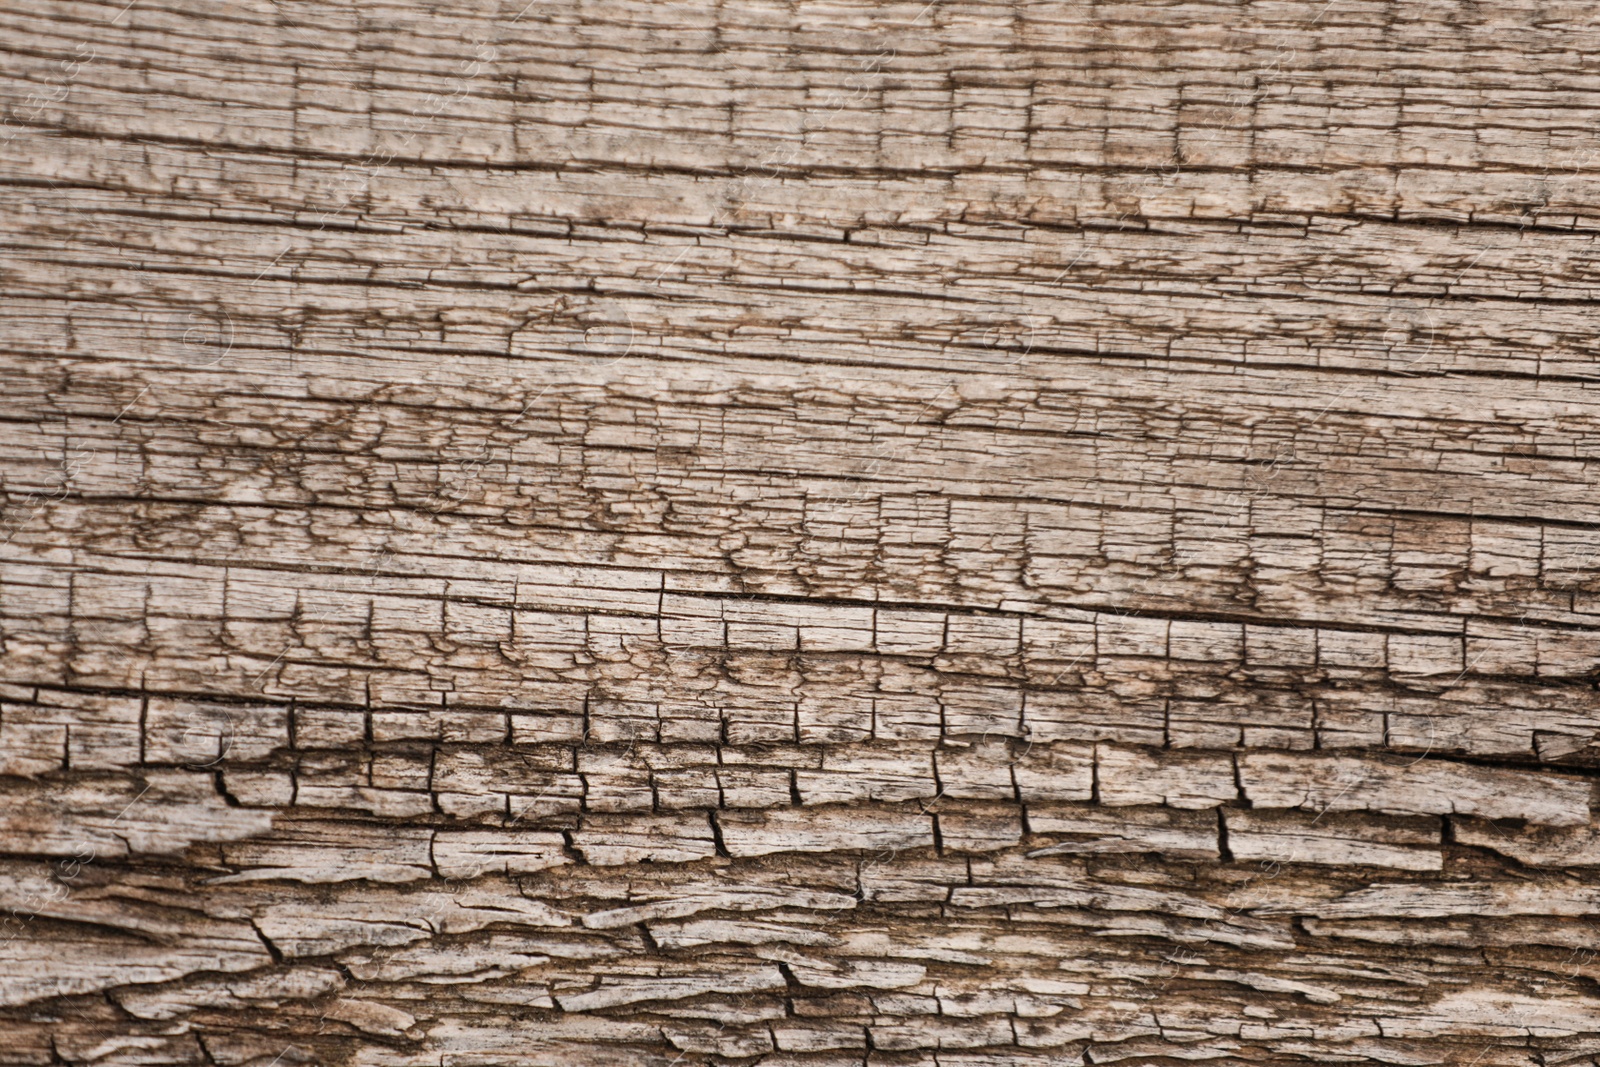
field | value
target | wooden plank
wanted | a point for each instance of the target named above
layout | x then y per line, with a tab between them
966	533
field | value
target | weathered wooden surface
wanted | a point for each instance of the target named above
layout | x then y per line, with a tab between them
802	534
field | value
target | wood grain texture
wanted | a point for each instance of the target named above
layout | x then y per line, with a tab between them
595	532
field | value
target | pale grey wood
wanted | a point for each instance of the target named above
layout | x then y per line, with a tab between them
952	534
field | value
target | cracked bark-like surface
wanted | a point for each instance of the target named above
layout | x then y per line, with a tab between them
807	534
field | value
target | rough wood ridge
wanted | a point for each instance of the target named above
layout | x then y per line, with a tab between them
842	532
